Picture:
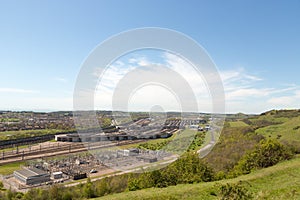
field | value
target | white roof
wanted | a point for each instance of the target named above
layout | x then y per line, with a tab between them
57	173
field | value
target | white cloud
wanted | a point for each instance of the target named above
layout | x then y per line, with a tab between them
290	100
297	94
17	90
252	78
281	101
133	60
60	79
108	82
112	76
142	62
147	97
242	93
243	90
37	103
238	75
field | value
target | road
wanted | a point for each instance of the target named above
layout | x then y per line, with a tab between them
207	148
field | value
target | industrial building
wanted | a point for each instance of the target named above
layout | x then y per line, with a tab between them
57	175
148	159
68	138
128	152
31	176
111	137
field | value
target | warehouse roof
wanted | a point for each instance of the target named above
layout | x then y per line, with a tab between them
28	172
57	173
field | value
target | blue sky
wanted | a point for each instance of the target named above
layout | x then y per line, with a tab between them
255	44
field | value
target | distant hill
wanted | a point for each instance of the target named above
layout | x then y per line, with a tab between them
283	125
241	134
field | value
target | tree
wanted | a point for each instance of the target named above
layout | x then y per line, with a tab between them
267	153
235	191
134	185
88	189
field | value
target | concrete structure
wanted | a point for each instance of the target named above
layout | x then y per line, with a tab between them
148	159
194	127
68	138
128	152
112	137
31	176
207	127
57	175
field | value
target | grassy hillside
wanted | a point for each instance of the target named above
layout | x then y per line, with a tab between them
278	182
288	131
240	135
234	142
238	124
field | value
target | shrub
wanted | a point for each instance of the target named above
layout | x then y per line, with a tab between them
89	189
134	184
234	142
235	191
267	153
187	169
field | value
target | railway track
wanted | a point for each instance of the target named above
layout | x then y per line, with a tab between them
61	149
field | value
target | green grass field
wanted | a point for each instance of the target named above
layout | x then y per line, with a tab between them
10	168
288	131
9	120
6	135
177	143
238	124
270	118
281	181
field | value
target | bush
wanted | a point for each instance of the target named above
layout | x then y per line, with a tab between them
235	191
267	153
187	169
234	142
190	169
197	141
134	185
89	191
